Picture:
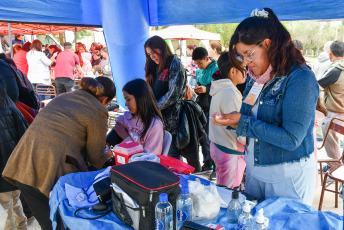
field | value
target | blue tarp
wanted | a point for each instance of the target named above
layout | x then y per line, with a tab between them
191	12
126	23
283	213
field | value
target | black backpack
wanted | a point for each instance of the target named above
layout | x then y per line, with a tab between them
143	181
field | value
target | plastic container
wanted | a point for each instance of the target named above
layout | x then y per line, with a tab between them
184	207
125	150
163	213
234	207
245	220
260	221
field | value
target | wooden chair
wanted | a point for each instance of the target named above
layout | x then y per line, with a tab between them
45	90
336	173
339	129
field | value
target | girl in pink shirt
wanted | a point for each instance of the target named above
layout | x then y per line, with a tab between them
143	122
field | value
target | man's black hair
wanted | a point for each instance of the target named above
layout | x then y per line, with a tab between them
337	48
199	53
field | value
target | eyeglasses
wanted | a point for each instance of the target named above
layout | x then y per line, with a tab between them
248	57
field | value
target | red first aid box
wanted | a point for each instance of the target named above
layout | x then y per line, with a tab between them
125	150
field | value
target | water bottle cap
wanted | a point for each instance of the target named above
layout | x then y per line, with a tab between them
163	197
247	207
185	189
235	193
260	218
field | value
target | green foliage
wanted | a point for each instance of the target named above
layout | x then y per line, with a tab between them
314	34
83	33
226	31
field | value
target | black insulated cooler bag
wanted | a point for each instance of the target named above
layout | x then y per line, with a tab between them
135	192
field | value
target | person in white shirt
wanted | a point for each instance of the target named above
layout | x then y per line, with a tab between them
38	63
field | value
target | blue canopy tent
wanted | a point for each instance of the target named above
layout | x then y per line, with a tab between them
126	23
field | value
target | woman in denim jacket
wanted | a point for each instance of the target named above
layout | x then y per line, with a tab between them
277	115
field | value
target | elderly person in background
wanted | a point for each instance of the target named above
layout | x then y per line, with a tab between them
20	58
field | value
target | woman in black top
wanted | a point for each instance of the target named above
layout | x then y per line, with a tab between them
166	75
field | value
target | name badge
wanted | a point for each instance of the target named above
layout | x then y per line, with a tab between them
253	95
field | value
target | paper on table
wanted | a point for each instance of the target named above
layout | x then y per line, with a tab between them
226	196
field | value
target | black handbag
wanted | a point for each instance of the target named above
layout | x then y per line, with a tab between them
143	182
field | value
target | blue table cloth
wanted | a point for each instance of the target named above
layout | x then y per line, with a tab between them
283	213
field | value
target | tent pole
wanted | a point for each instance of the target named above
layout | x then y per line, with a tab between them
180	48
10	39
75	36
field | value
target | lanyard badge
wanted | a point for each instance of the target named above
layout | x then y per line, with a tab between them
253	95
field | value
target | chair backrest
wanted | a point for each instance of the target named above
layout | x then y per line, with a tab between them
336	127
166	143
45	90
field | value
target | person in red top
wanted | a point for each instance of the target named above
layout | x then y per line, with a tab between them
66	61
20	58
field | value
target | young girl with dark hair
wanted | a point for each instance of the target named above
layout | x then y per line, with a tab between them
278	110
166	75
226	148
143	122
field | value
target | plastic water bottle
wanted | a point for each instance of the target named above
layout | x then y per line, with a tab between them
260	221
234	207
163	214
245	220
184	207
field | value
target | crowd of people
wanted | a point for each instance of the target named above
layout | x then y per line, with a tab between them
254	109
46	66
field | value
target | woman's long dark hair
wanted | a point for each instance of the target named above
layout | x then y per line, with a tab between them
156	43
146	105
282	53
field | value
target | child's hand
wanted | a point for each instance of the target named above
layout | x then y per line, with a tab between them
200	89
231	119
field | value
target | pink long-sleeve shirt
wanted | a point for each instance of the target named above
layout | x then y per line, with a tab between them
152	141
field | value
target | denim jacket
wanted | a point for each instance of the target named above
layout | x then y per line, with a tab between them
283	131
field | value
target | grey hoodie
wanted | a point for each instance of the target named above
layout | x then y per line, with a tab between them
321	65
226	98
